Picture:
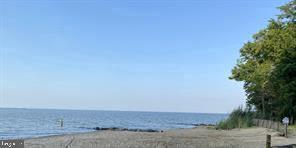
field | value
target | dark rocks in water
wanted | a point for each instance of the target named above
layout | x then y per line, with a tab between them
198	124
124	129
110	128
144	130
140	130
203	124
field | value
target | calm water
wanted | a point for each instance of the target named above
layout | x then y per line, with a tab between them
26	123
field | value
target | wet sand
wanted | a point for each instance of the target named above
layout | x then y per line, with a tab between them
199	137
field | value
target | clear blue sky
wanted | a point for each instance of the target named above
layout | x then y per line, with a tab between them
157	55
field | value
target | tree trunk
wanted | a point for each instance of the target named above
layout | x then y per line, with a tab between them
263	106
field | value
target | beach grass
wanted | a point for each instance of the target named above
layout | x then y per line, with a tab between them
238	118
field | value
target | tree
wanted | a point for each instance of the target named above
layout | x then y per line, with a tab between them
267	66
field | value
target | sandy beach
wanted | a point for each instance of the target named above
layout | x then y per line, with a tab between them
198	137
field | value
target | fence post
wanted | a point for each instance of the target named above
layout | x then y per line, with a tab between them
286	130
258	122
268	141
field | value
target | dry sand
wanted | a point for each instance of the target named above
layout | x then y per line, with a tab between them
200	137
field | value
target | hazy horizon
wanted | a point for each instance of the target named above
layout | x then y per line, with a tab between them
108	110
160	56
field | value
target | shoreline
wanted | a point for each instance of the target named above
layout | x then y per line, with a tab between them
93	130
85	132
192	137
101	129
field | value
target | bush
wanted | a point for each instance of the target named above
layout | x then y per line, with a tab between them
238	118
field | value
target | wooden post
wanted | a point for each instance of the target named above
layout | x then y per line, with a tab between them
258	121
286	130
62	122
268	141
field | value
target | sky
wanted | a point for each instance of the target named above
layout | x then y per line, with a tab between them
132	55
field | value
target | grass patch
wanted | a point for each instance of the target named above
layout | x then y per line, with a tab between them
292	129
292	126
238	118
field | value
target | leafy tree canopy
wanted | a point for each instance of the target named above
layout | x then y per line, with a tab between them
267	66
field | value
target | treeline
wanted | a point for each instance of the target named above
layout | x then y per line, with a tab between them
267	66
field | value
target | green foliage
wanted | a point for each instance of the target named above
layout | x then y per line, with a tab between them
292	126
292	129
238	118
267	66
